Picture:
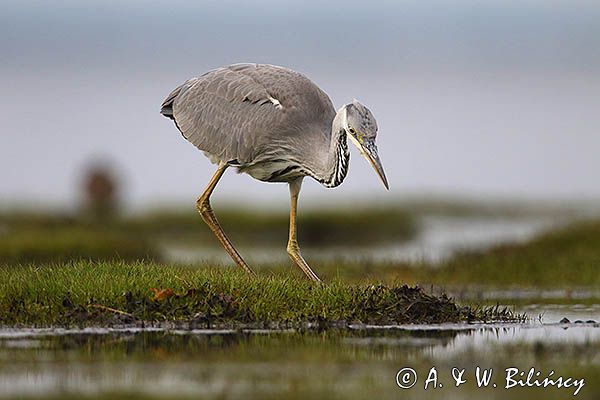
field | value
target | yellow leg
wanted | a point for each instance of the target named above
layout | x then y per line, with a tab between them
292	248
205	210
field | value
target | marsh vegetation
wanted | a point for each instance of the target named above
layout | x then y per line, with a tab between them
110	317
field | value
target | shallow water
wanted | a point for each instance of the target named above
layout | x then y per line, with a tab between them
354	363
438	239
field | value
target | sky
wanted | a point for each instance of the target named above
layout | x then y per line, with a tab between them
496	98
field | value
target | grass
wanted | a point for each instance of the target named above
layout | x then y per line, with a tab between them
68	288
60	245
564	258
322	228
84	293
350	226
30	237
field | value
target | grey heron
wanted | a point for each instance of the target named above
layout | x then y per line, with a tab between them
274	124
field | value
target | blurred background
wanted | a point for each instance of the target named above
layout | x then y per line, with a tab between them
477	102
486	98
489	132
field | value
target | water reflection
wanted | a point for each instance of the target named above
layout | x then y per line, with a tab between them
234	362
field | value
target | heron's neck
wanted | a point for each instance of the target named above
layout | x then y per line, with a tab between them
332	155
338	159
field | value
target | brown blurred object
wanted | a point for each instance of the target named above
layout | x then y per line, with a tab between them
101	189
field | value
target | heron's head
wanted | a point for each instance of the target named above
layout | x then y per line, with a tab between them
361	127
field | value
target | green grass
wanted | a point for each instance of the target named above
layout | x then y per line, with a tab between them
117	292
72	292
63	244
31	237
349	226
564	258
326	227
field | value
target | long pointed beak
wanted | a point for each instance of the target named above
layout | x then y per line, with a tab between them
368	149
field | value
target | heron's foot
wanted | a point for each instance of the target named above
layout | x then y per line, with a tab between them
207	214
294	252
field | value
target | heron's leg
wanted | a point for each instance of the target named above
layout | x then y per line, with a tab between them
292	248
205	210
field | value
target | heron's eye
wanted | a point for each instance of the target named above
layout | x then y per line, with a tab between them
352	130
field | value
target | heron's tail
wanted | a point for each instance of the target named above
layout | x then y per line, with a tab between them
166	107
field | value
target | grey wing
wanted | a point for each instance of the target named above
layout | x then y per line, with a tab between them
225	113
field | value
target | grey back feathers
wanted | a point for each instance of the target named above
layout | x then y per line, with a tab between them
271	122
